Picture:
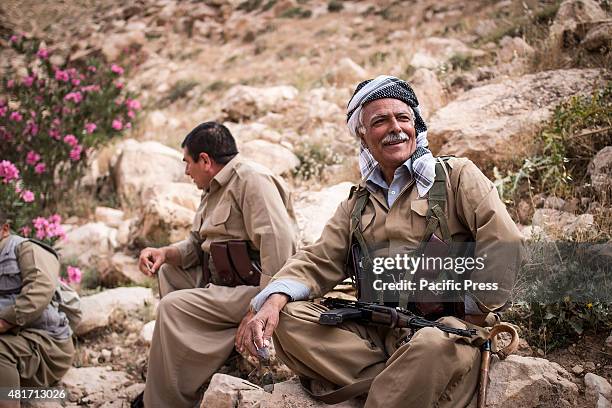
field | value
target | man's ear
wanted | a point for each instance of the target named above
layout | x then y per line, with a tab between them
205	158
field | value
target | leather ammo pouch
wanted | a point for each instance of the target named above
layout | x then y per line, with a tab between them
233	264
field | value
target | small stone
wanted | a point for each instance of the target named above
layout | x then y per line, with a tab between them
589	366
577	369
596	385
554	202
105	356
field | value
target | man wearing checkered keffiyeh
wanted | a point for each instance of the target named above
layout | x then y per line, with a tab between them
396	367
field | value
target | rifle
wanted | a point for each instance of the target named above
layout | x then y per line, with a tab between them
394	317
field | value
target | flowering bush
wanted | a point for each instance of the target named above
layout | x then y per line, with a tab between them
51	119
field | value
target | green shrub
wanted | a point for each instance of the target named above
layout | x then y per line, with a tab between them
313	159
296	12
334	6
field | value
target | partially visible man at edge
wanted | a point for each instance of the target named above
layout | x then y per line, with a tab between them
36	346
198	315
428	368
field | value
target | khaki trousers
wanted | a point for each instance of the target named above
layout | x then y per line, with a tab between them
32	358
193	337
433	369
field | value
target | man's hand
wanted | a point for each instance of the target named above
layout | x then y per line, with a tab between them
5	326
242	330
150	260
259	328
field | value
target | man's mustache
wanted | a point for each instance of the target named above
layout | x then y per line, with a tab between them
394	138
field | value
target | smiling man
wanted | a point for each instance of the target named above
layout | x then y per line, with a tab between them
243	232
407	197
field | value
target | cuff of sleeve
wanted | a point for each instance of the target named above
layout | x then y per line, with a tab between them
189	256
8	313
294	289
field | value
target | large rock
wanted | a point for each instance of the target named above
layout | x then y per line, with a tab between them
600	169
109	216
513	47
555	222
122	269
277	158
571	14
226	391
290	394
245	102
314	209
116	44
598	37
88	244
167	215
141	165
435	51
429	90
347	72
94	385
244	133
99	309
491	123
529	382
597	386
146	333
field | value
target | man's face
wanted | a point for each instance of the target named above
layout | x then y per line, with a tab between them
384	121
200	171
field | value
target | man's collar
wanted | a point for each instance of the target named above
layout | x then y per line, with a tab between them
225	174
376	177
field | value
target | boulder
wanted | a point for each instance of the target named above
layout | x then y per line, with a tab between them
598	37
116	44
493	123
109	216
554	221
98	309
290	394
246	132
146	334
435	51
226	391
314	208
600	169
347	72
123	269
94	385
528	382
429	90
246	102
141	165
513	47
88	243
597	386
571	13
277	158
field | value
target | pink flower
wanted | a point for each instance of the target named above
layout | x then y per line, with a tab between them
13	39
55	219
42	53
71	140
28	81
32	128
32	157
91	68
3	110
90	88
117	124
75	153
132	104
40	168
117	69
128	125
48	228
16	116
62	75
76	81
119	85
131	113
8	171
27	196
76	97
90	127
25	231
74	274
55	134
10	83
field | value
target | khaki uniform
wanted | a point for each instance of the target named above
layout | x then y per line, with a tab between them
32	357
196	326
433	368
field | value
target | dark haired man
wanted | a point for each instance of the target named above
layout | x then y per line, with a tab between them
35	336
245	213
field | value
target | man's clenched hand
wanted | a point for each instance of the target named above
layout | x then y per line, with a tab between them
150	260
259	329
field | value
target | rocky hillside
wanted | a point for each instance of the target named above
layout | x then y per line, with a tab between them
490	76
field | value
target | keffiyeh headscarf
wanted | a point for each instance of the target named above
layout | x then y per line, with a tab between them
422	161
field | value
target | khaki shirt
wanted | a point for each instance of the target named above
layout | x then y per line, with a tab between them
39	276
474	212
245	201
